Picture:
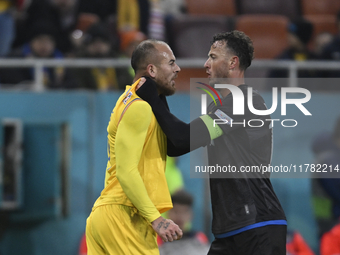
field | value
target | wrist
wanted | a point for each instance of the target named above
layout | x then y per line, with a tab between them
157	221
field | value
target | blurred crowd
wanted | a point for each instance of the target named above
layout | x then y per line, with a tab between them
74	29
111	29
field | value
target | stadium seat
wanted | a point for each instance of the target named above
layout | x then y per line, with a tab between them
268	32
183	79
190	35
211	7
289	8
317	7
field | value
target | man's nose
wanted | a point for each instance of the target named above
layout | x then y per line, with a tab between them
207	63
177	69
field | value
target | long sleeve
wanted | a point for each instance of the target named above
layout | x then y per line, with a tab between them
130	138
183	137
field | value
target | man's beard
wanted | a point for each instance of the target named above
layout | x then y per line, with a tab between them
166	90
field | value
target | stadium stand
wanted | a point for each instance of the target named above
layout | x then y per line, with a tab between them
85	20
289	8
322	23
213	7
268	42
317	7
190	35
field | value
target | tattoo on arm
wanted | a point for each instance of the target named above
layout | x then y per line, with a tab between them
160	225
166	225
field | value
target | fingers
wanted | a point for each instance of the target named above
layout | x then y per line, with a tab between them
141	82
170	231
164	238
179	233
170	237
175	237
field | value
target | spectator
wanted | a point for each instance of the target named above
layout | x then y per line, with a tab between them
133	15
128	42
320	42
156	28
330	242
173	7
192	242
332	50
42	44
300	33
97	44
326	190
6	26
67	10
61	13
296	245
102	8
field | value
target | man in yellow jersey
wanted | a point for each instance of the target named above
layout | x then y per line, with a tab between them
127	215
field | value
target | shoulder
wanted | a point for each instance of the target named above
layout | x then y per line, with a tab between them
139	105
257	99
137	111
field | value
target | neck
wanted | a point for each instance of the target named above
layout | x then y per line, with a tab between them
138	76
237	80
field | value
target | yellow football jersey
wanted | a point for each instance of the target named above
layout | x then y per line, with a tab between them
135	174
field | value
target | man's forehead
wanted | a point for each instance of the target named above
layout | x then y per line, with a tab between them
218	44
164	51
218	47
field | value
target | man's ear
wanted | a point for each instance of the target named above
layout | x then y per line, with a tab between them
151	70
234	62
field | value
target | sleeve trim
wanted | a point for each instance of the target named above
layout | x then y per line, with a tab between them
126	107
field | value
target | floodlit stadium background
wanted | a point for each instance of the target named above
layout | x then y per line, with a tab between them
62	134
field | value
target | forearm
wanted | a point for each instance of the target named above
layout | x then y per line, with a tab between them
198	136
135	190
130	138
183	137
177	131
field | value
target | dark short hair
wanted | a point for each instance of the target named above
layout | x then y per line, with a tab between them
240	44
301	28
182	197
144	54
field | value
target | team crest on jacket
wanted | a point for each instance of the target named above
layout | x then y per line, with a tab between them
127	97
